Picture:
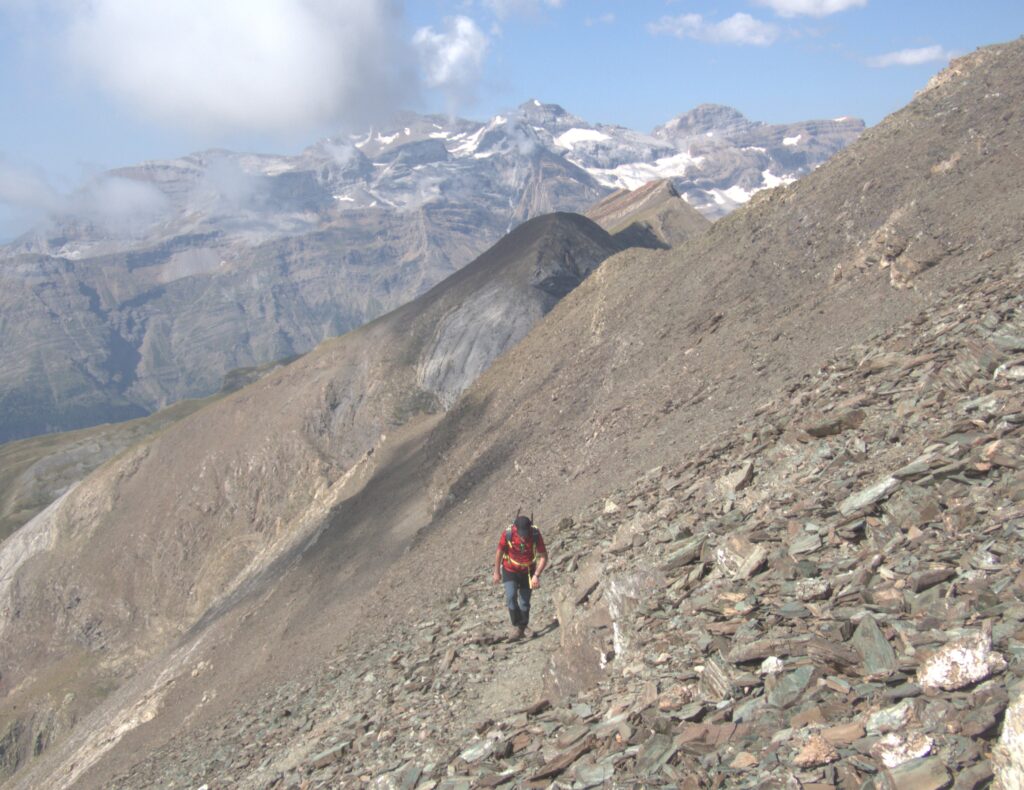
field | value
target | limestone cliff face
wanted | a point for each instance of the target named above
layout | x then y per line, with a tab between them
118	335
100	325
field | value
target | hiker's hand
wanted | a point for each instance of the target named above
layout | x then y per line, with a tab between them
536	582
496	577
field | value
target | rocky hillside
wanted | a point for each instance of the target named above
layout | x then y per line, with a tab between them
172	273
691	359
828	595
37	471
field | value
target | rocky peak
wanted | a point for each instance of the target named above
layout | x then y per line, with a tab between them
652	216
704	118
551	117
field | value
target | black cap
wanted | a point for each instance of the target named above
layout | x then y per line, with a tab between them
523	522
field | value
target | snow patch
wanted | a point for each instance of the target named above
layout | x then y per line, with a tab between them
734	195
771	180
792	140
387	139
636	174
574	136
469	146
439	135
344	198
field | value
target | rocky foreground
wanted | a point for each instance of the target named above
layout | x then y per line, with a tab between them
832	596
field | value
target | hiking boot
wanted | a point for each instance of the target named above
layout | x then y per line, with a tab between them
516	633
526	631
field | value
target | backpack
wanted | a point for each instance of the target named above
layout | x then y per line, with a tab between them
531	542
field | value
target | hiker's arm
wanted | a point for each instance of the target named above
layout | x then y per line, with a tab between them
497	565
542	561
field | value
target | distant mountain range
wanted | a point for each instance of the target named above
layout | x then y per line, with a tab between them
170	274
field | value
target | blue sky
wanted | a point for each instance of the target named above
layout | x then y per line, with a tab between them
87	85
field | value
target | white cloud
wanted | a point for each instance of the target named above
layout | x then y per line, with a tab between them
121	204
817	8
113	202
737	29
505	8
26	190
249	65
910	57
225	186
452	60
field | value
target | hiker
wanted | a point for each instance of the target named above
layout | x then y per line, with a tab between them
518	563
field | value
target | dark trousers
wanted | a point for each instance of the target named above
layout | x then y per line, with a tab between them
517	596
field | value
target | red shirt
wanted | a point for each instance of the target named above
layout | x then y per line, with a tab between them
518	554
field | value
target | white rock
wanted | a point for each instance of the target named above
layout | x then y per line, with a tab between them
479	750
772	665
895	749
891	719
960	663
